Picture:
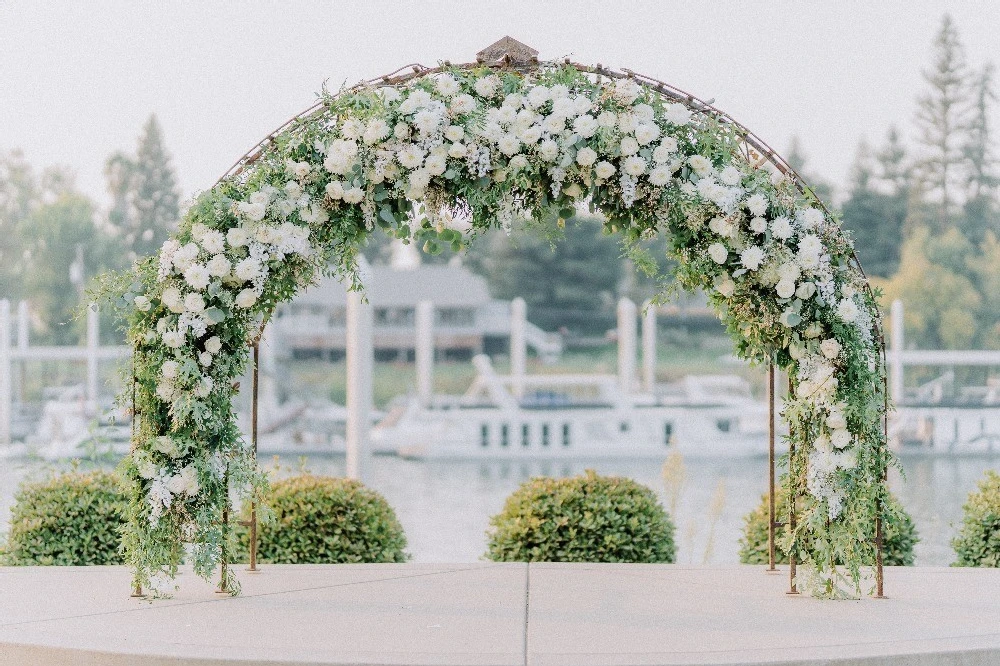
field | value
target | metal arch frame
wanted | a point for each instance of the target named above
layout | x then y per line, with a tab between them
751	142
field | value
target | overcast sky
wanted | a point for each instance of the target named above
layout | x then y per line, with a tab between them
78	79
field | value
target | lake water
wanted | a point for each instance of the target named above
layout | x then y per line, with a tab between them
445	506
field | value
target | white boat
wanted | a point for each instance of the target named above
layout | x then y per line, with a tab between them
578	416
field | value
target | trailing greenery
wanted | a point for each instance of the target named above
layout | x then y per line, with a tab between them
327	520
72	519
897	546
978	540
587	518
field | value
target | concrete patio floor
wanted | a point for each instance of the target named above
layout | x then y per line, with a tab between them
496	614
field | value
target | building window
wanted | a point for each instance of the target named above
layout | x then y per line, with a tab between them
525	434
504	435
623	426
668	433
565	434
724	425
484	434
545	434
456	316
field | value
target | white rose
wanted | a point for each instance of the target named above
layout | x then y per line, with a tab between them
165	445
836	420
582	104
646	133
447	85
219	266
548	150
756	204
785	288
247	270
634	166
530	135
847	291
509	145
454	133
730	176
246	298
564	107
585	126
758	225
781	228
586	157
254	211
197	276
805	291
518	162
354	195
847	310
830	348
205	359
659	176
629	146
237	237
752	257
169	369
419	179
840	438
811	217
436	165
376	130
458	150
487	86
537	96
718	252
701	165
604	170
726	286
401	131
213	345
678	114
194	303
607	119
173	339
142	303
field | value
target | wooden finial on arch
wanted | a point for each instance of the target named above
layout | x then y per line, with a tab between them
507	51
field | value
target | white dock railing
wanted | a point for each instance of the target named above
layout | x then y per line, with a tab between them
20	351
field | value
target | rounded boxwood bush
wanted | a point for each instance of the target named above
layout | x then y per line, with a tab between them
586	518
327	520
897	544
978	540
70	519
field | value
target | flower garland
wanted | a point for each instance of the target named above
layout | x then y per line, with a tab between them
489	146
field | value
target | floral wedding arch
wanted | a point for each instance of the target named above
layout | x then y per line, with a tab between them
503	138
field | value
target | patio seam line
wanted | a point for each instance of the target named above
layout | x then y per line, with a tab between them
527	607
153	606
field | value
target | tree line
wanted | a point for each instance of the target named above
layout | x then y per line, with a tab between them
54	239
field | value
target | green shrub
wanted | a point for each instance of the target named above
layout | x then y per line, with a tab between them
897	545
326	520
71	519
586	518
978	541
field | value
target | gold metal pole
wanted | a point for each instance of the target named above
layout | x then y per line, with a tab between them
792	493
770	459
253	435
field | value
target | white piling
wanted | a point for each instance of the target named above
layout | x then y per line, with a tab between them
360	363
424	351
23	333
5	368
626	345
649	347
896	343
93	342
518	345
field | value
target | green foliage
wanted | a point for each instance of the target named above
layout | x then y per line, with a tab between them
73	519
587	518
327	520
978	541
897	546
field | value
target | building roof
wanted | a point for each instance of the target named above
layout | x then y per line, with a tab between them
446	286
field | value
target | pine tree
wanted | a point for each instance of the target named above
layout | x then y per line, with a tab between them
873	218
981	213
941	118
796	158
144	192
